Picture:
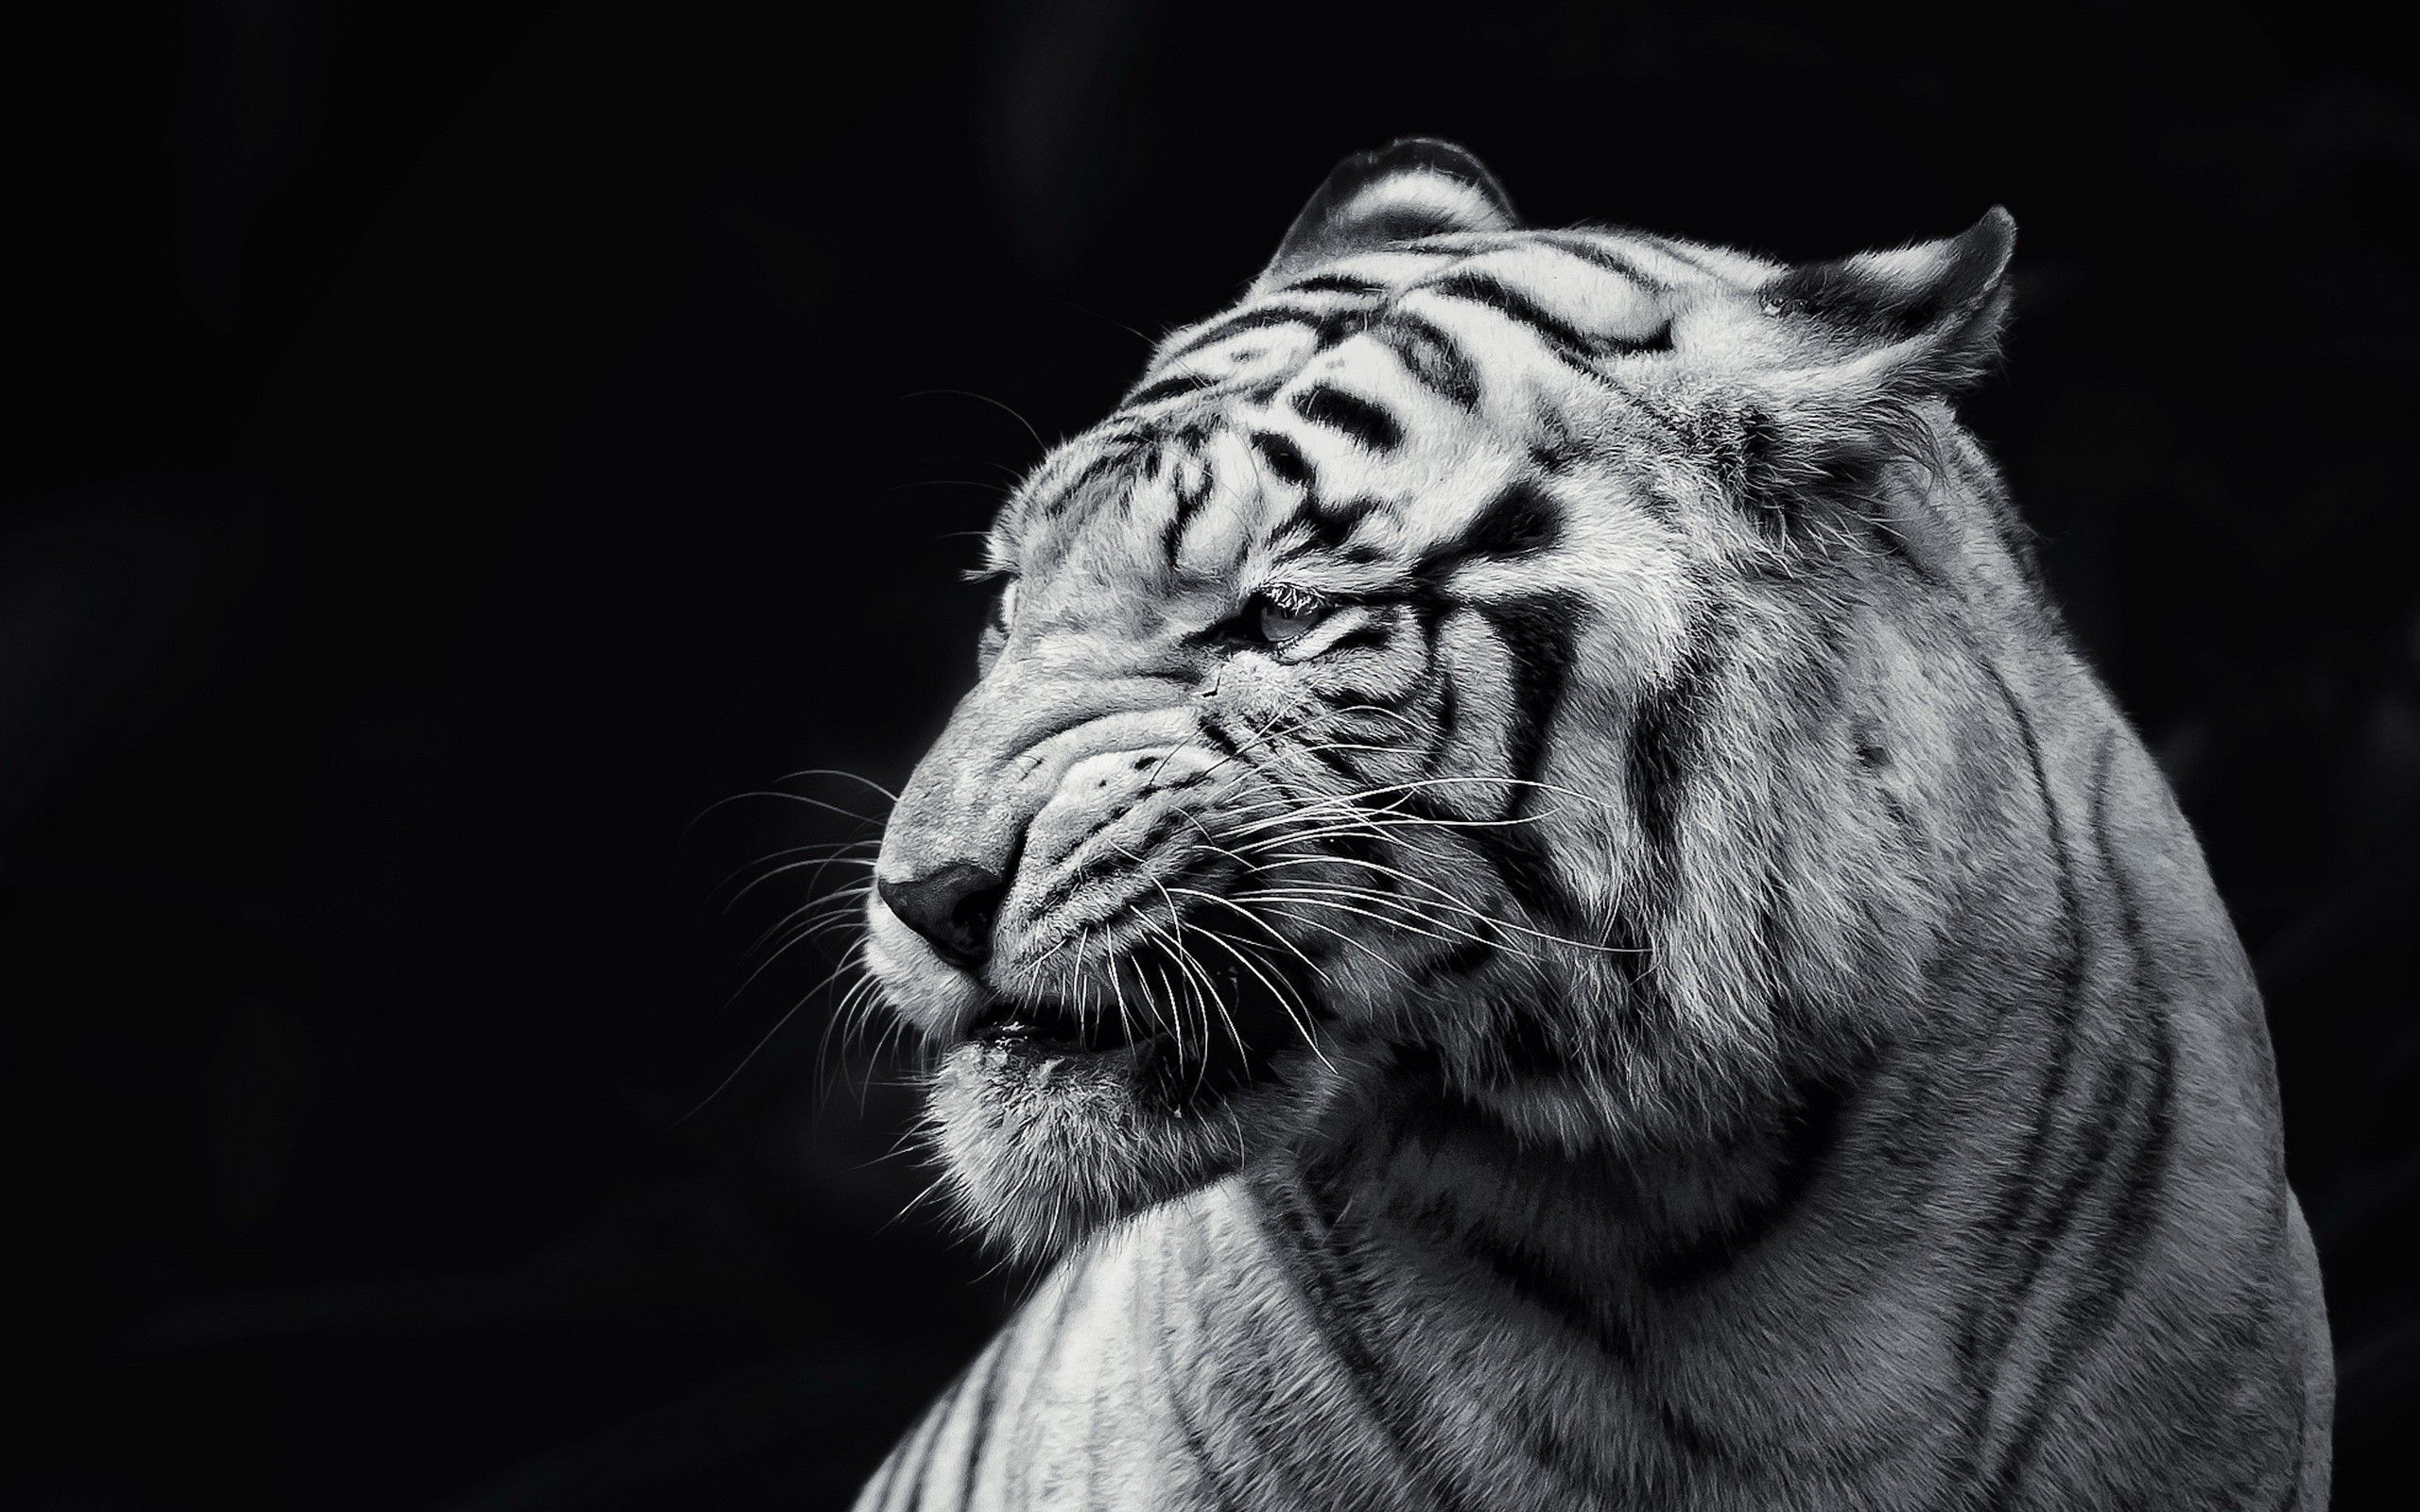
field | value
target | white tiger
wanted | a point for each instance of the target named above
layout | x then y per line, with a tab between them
1536	904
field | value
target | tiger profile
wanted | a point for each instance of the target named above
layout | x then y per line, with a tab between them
1534	908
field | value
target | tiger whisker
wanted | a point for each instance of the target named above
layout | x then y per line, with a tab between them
1009	410
785	798
833	771
1312	966
1298	1015
1397	966
779	1025
848	899
796	939
1309	900
1430	887
1175	931
1189	971
821	865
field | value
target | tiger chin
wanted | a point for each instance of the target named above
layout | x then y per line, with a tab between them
1050	1126
1534	907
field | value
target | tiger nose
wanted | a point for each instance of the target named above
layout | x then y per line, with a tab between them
951	907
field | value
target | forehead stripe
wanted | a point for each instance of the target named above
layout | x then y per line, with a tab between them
1590	250
1188	504
1431	355
1110	460
1333	283
1564	339
1367	423
1181	383
1318	315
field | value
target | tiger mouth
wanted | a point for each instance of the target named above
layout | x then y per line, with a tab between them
1053	1025
1171	1054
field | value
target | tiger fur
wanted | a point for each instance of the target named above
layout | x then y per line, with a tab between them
1537	910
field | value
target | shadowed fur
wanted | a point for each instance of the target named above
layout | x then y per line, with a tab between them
1539	911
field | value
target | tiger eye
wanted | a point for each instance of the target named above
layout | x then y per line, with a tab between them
1277	623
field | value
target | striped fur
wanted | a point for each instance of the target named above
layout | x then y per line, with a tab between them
1594	944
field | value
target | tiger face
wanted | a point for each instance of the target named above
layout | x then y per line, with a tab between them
1376	700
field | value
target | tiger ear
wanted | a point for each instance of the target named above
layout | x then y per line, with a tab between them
1909	323
1833	398
1417	186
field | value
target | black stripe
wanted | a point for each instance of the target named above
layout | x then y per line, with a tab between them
1578	1464
1258	318
1589	250
1325	525
924	1446
1054	1333
1433	356
1214	734
2116	1266
1569	341
1574	1310
1370	632
1527	1048
2125	1231
1543	1287
1462	960
986	1401
1686	1434
1189	382
1367	423
1811	1130
1520	521
1329	1286
1555	446
1540	632
1109	461
1647	1007
1284	457
2130	914
2072	972
1335	761
1187	506
1984	1338
1686	257
1333	283
1448	717
1666	730
1225	1497
1513	305
1249	1380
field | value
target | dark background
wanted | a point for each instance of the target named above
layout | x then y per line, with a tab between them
456	445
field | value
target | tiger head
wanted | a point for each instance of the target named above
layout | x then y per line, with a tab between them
1460	670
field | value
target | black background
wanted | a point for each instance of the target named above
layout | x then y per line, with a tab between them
456	445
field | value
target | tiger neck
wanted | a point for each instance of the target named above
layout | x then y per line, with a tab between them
1423	1279
1439	1177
